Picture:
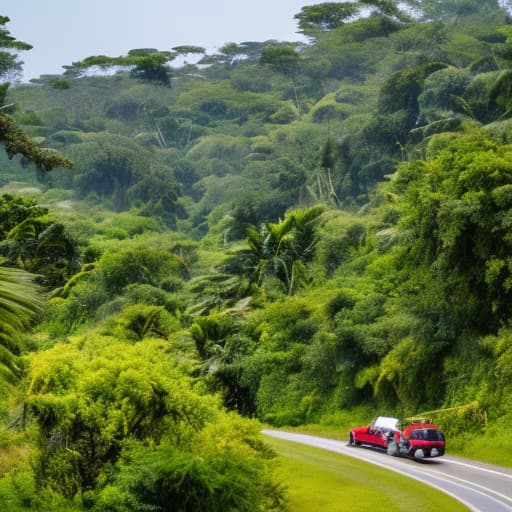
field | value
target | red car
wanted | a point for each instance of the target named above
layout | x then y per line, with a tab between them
420	439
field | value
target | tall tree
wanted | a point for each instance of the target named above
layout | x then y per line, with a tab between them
283	249
457	223
11	136
332	15
147	64
283	58
325	16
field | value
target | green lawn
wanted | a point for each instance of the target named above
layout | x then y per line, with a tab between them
319	480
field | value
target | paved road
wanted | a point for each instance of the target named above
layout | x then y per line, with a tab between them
481	487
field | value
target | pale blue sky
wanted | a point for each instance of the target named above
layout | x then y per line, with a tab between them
64	31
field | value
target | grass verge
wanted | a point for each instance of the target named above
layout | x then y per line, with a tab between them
317	479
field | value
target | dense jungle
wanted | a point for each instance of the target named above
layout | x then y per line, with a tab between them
283	232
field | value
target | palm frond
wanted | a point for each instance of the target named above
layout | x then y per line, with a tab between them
20	301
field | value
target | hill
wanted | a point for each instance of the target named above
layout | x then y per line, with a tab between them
298	233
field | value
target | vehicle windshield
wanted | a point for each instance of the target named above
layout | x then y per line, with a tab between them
427	434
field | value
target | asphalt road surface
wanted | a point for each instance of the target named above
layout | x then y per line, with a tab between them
481	487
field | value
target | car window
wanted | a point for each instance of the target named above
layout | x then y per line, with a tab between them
427	434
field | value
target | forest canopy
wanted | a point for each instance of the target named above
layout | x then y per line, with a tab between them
287	233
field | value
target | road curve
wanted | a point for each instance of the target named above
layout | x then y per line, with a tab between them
481	487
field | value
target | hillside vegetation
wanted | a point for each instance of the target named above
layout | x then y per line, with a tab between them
290	232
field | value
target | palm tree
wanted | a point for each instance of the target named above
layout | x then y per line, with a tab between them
283	249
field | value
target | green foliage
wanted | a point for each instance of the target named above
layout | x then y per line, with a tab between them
62	84
9	60
281	250
140	321
16	209
108	166
464	11
146	64
401	91
86	407
19	492
487	95
341	237
152	296
252	78
222	261
119	424
131	224
118	272
11	136
210	102
325	16
20	301
36	243
16	142
281	57
442	90
210	332
163	477
458	221
146	266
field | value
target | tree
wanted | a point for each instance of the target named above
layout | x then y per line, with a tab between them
325	16
442	92
122	426
283	249
146	64
456	219
108	166
159	193
401	90
283	58
230	53
188	49
456	11
9	63
33	241
11	136
332	15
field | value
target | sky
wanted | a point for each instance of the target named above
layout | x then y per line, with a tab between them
66	31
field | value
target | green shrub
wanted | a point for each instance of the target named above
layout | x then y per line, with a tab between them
121	426
138	321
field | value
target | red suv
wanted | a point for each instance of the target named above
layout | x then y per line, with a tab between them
420	439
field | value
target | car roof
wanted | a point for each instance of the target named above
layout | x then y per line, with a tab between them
417	426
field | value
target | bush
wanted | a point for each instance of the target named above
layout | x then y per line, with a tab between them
138	265
121	426
166	479
138	321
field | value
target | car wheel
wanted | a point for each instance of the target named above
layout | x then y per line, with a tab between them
393	448
352	440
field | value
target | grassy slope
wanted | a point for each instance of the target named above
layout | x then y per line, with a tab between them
321	480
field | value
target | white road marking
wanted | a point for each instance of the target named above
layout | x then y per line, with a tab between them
472	466
473	484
